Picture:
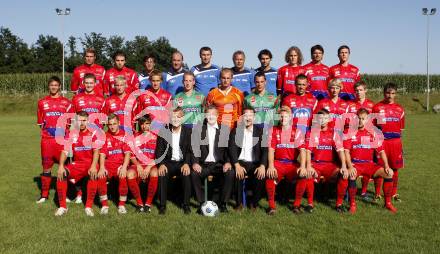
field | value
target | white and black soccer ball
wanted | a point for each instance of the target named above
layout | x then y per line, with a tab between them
210	209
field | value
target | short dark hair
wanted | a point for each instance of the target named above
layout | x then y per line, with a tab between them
389	85
89	75
248	108
363	111
146	57
323	111
210	106
145	118
316	47
155	73
264	52
360	83
300	77
343	47
178	109
90	50
83	114
238	52
112	116
118	53
54	78
259	74
205	48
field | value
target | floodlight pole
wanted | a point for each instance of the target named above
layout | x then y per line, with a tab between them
427	14
64	12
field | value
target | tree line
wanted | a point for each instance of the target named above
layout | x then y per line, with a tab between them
45	55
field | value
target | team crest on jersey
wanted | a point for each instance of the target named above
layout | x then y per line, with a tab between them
109	144
180	102
112	78
81	102
198	97
45	106
147	100
253	99
270	97
81	75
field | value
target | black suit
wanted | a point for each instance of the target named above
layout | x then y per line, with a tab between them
259	157
200	151
163	155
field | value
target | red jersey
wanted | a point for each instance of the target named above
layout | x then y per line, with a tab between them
77	85
393	117
317	75
83	144
130	75
121	108
48	111
114	148
323	145
286	78
336	109
154	103
286	143
355	105
145	146
362	147
90	103
349	75
302	107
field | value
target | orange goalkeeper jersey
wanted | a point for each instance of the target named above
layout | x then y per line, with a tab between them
228	103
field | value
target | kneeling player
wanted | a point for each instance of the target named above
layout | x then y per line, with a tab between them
359	153
85	150
114	160
143	165
321	150
285	146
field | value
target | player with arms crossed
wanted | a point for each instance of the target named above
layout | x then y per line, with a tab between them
207	74
89	66
50	109
317	73
347	73
392	124
288	73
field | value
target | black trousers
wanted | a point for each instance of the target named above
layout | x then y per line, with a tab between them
252	183
174	170
215	169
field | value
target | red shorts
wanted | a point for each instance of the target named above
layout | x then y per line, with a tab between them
325	169
77	171
286	169
112	169
366	169
50	152
133	167
394	151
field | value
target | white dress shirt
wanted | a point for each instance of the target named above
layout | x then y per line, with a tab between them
246	149
176	154
211	139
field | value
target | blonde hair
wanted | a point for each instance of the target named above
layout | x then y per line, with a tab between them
335	82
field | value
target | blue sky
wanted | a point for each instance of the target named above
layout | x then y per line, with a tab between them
385	36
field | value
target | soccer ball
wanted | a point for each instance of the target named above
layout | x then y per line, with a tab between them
210	209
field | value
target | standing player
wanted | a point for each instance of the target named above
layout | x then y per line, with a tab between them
85	150
288	73
119	105
89	66
154	101
392	124
301	103
149	62
317	73
242	78
285	147
50	109
262	101
114	160
173	79
207	74
118	70
143	166
227	99
347	73
359	154
265	57
190	101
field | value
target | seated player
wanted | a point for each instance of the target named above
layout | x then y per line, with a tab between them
284	150
143	166
50	109
359	154
325	156
114	160
85	150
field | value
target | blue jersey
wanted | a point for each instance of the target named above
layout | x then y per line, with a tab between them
144	80
243	80
173	81
271	79
206	78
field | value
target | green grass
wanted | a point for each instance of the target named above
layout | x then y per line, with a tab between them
26	227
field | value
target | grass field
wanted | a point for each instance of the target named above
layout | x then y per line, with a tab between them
26	227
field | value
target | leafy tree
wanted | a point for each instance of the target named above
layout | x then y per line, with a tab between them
47	54
14	53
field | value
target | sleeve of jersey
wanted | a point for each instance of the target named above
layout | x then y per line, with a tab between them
134	81
347	144
74	83
106	85
39	114
280	80
318	107
104	149
163	85
273	140
338	144
402	121
358	76
286	101
380	148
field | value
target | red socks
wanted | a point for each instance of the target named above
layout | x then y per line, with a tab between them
270	189
388	190
340	190
134	189
102	191
123	191
152	187
352	192
310	190
395	181
92	186
365	182
301	184
46	179
62	192
378	182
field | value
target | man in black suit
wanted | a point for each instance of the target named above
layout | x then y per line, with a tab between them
210	156
249	157
173	156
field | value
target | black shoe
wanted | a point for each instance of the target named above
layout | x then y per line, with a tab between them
271	211
296	210
186	209
223	208
147	209
309	209
140	209
340	209
162	210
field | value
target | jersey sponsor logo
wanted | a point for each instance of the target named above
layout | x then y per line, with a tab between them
324	147
191	109
290	82
319	78
391	119
285	146
147	150
361	146
348	80
90	110
155	108
302	112
82	148
116	151
54	113
119	112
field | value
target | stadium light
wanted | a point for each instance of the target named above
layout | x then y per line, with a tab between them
427	14
62	13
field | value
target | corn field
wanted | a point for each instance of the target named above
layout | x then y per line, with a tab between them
36	83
